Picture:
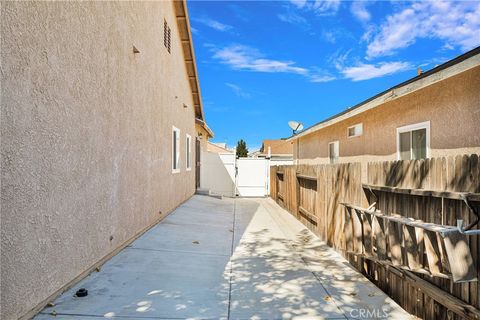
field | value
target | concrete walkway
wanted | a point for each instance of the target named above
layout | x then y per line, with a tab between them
227	259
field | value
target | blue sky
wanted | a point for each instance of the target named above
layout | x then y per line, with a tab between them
262	64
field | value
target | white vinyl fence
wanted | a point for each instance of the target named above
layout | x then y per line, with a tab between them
223	174
252	177
217	173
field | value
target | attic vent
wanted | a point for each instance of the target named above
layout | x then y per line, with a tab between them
166	36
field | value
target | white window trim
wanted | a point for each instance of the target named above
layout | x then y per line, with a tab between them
355	125
412	127
188	149
338	144
177	170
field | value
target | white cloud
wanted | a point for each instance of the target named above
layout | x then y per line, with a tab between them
369	71
317	78
299	3
291	17
448	46
457	23
329	36
338	59
240	57
319	75
370	30
214	24
237	90
320	7
325	7
359	10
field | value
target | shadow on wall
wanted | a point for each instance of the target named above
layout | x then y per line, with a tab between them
218	173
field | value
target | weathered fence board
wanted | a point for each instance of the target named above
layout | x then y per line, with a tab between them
427	190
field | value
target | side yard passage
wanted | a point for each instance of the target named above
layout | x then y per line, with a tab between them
226	259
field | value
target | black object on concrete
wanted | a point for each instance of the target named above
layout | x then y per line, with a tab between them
82	292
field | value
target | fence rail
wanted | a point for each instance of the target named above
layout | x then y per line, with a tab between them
430	276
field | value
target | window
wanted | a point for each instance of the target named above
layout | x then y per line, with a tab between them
333	151
355	131
167	32
175	150
413	141
188	152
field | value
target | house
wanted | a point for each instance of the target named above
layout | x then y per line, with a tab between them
279	152
218	147
102	126
436	113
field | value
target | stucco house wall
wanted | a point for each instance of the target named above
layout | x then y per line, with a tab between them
452	106
86	132
278	146
211	147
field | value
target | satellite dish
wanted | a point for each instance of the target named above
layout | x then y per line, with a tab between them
295	126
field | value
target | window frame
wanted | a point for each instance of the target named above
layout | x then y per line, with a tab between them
355	126
336	142
412	127
188	152
175	160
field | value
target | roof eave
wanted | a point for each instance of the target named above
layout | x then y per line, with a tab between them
206	127
183	23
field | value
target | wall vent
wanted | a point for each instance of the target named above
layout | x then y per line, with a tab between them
355	131
167	32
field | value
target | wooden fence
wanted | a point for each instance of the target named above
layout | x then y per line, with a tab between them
430	192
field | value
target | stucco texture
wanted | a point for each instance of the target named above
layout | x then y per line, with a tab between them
452	106
86	137
278	146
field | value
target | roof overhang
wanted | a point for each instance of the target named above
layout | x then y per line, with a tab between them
449	69
204	125
181	13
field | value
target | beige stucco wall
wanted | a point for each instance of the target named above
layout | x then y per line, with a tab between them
277	146
452	106
86	137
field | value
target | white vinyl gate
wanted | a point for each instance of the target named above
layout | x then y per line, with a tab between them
252	177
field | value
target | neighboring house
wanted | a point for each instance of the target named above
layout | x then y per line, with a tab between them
279	149
256	154
218	147
436	113
279	152
102	123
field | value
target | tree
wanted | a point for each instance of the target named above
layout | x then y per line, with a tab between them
262	149
242	150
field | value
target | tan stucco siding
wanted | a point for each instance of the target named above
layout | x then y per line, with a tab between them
278	146
86	137
452	106
216	149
